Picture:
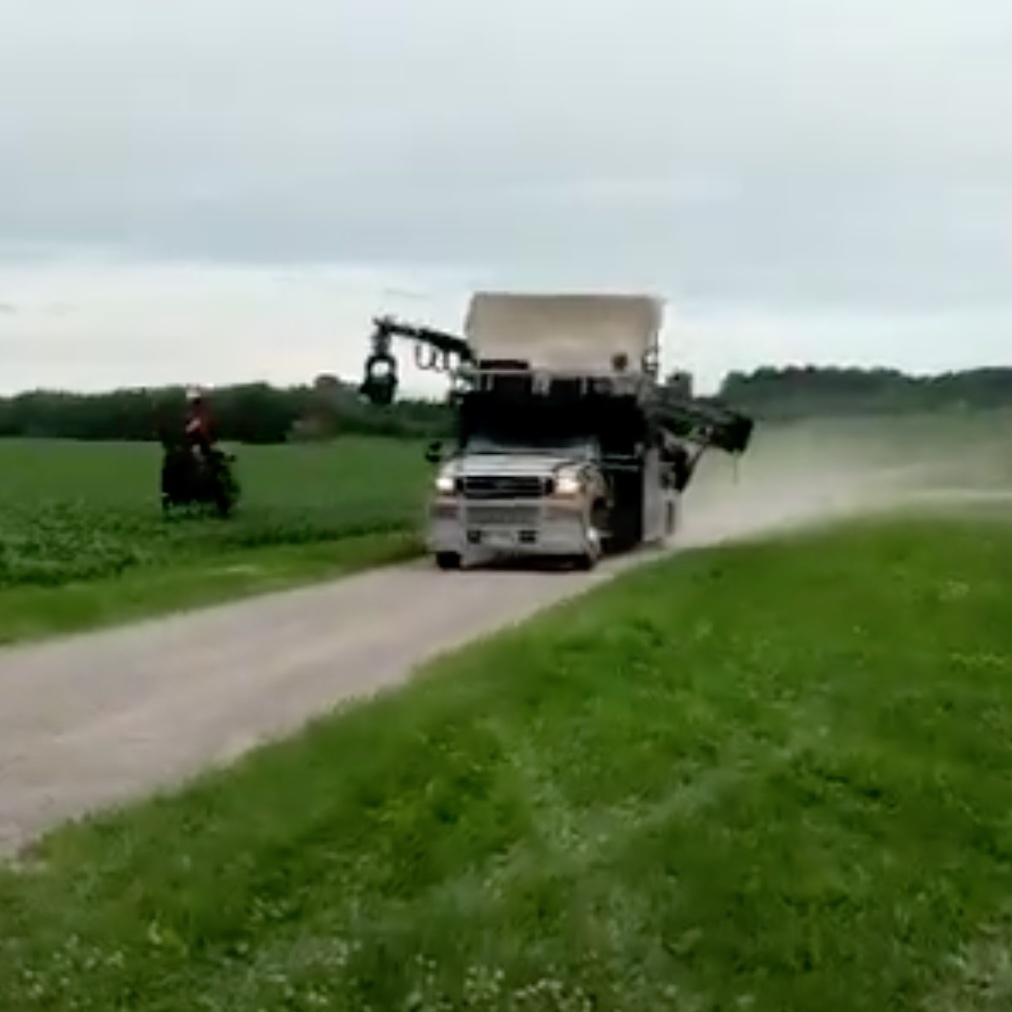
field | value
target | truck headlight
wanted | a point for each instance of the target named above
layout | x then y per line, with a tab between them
446	483
567	483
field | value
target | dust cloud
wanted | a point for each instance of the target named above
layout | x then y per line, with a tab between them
805	477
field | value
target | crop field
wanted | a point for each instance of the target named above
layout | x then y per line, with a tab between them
81	511
73	512
763	777
83	542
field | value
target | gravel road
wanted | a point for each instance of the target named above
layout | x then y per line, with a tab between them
97	719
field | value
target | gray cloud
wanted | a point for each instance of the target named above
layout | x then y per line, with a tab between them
845	157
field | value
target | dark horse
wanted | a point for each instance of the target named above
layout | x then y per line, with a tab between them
190	479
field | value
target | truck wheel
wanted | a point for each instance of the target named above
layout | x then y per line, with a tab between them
448	560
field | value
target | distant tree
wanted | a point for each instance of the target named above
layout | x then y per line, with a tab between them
260	413
801	391
247	413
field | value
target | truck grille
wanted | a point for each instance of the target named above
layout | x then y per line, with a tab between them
501	516
502	486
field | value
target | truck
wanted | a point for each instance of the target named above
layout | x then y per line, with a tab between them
567	442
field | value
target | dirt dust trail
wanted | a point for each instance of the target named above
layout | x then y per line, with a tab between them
100	718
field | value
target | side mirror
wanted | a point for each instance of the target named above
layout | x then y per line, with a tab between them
434	452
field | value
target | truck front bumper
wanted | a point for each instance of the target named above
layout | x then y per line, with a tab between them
510	527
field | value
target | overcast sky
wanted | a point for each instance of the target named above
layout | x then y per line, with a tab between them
213	190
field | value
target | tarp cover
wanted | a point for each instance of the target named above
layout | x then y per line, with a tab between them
571	332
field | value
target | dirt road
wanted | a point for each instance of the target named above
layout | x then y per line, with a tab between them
97	719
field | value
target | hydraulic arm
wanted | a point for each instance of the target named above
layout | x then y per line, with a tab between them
434	350
703	422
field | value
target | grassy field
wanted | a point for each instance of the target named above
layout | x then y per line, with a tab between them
83	543
769	777
82	538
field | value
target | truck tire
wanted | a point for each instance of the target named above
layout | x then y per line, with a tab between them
448	561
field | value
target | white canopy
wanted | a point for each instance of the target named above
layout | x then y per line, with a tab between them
564	331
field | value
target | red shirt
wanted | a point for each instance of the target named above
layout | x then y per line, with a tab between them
198	421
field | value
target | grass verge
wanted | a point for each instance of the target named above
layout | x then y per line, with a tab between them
32	612
767	777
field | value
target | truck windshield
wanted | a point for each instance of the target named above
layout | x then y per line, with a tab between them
582	448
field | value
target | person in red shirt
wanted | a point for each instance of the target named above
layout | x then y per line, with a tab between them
199	428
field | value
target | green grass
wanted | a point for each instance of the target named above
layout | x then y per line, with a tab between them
33	612
76	511
769	777
82	539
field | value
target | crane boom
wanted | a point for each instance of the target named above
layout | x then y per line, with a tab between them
447	352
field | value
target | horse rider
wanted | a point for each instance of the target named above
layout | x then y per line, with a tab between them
199	428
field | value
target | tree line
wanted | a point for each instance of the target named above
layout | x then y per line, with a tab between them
246	413
329	407
798	392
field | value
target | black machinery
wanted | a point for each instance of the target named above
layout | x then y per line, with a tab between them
668	407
